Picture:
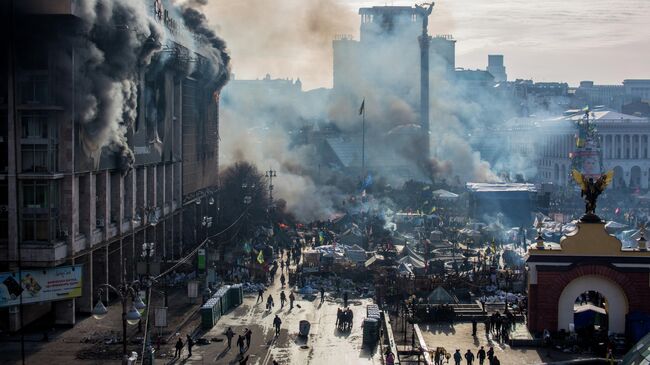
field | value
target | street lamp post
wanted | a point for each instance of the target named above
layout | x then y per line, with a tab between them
132	315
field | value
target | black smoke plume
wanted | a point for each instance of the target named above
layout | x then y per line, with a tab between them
197	23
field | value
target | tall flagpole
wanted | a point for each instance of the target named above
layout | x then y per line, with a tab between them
363	137
363	143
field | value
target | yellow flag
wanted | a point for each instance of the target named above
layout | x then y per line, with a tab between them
260	257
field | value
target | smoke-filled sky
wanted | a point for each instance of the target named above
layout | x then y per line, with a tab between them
552	40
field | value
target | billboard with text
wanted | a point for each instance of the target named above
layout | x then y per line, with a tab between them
43	285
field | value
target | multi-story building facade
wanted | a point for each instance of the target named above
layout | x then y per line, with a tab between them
548	143
61	205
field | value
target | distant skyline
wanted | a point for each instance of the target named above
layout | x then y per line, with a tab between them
550	40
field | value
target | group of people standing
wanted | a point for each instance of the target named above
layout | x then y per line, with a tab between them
243	341
189	341
499	325
481	356
344	319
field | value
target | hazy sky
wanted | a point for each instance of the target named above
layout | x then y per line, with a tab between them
547	40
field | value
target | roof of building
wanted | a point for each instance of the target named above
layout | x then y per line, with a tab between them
444	194
346	150
605	116
500	187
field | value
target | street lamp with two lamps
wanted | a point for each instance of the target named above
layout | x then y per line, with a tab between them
130	316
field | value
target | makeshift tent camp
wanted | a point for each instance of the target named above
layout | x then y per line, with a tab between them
352	236
415	263
614	227
405	269
440	296
408	251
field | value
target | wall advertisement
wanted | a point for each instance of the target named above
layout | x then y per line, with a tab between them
44	285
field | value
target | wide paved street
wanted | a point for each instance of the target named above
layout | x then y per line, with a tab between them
325	344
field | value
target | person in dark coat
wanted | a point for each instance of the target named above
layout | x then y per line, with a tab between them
276	323
248	333
469	357
179	347
283	299
240	343
291	299
481	356
345	299
190	344
229	335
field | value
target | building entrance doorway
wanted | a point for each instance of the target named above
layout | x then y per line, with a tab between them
592	303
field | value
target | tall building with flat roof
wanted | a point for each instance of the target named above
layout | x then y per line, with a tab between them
496	67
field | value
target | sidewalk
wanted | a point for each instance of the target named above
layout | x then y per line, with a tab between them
85	342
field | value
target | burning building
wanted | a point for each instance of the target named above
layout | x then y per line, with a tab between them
109	140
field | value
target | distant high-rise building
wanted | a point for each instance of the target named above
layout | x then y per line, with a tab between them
637	88
496	67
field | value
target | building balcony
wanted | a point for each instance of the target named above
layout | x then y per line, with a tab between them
44	254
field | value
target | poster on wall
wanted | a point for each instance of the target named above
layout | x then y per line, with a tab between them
44	285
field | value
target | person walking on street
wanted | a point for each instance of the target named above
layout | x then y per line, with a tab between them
458	357
469	357
487	327
322	294
474	325
282	279
490	355
240	343
260	295
248	333
269	302
190	344
291	299
495	361
345	299
179	347
481	356
229	335
276	323
283	298
281	265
